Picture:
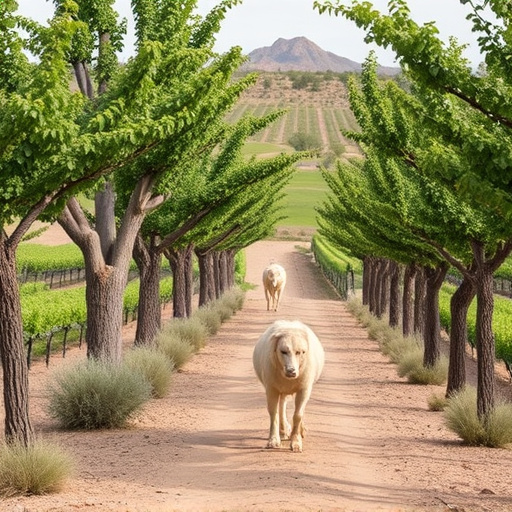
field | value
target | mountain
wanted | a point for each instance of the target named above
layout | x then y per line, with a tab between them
301	54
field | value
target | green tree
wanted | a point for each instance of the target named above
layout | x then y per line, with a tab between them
50	149
181	80
469	117
198	213
302	141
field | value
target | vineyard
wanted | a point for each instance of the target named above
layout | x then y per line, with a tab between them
321	109
54	318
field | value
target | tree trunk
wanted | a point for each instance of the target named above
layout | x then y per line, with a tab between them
223	272
106	278
17	425
104	296
148	259
419	301
206	278
177	259
485	348
394	293
383	291
83	79
230	265
217	273
373	292
105	226
408	300
366	280
432	332
459	304
189	280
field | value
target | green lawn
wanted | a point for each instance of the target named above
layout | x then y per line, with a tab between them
306	190
265	149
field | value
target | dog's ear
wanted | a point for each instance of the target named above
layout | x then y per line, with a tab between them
275	340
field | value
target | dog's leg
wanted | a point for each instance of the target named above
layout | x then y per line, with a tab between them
268	298
274	440
278	296
284	427
301	399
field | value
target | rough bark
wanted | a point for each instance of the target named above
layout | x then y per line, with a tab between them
394	293
485	346
230	267
104	297
189	280
223	272
366	280
178	260
217	267
408	300
17	425
419	301
459	305
432	332
149	310
374	291
206	278
383	288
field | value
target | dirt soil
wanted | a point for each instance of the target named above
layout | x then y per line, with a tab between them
371	445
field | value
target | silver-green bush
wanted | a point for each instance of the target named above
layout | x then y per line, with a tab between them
209	317
176	349
154	366
96	395
191	330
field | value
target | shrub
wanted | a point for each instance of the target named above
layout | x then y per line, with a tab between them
437	403
301	141
225	311
191	330
97	395
233	299
154	366
209	317
396	347
176	349
40	468
355	306
462	418
411	366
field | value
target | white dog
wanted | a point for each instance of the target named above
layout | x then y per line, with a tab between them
288	359
274	281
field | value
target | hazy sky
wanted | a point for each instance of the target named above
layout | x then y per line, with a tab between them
258	23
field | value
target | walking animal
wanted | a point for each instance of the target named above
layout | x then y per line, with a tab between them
274	281
288	359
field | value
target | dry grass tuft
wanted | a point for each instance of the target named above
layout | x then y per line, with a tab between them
462	418
41	468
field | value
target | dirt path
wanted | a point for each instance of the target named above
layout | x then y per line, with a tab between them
371	443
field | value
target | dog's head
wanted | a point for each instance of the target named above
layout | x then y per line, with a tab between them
291	347
273	276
